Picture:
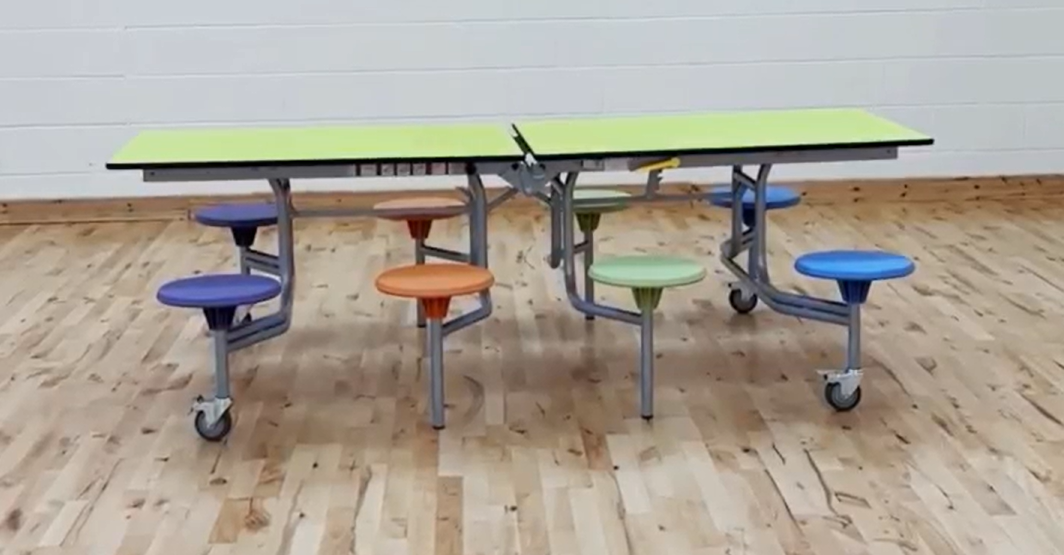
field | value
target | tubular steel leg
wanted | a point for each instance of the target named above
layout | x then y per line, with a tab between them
853	346
737	213
760	245
245	269
589	259
646	365
435	362
556	224
478	221
419	258
221	364
282	191
564	191
215	408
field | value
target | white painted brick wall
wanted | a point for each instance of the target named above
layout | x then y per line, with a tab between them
79	77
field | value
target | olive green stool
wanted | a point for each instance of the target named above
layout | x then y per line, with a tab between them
588	217
647	276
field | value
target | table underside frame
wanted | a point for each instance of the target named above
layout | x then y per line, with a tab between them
553	182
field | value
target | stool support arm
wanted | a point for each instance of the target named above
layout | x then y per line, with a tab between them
565	192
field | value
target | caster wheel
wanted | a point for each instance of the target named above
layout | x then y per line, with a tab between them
833	395
740	304
218	431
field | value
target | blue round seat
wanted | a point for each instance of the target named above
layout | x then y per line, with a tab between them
244	215
854	265
776	196
219	291
854	270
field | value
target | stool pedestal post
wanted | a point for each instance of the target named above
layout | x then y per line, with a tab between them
646	365
853	345
213	421
589	260
647	299
435	311
588	222
435	361
220	339
419	258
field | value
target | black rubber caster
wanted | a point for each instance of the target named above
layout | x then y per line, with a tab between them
833	395
739	303
218	431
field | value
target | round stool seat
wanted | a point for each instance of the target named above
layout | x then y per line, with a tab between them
430	208
252	214
612	201
434	281
854	265
776	196
647	271
219	291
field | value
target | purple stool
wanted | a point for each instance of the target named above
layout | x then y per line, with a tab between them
244	220
218	295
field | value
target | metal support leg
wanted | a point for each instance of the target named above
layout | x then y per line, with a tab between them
760	246
242	312
282	190
564	193
272	325
478	252
842	389
419	258
221	364
853	346
478	221
646	365
556	223
212	419
589	260
435	363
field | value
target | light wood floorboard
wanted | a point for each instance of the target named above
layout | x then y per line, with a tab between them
957	448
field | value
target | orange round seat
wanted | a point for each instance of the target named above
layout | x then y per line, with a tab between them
434	284
419	212
433	281
429	208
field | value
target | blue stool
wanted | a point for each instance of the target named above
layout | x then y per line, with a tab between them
218	295
244	220
854	271
776	197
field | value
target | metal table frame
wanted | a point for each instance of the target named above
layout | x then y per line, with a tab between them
244	334
553	182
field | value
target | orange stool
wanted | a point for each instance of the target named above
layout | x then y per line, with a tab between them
419	213
433	285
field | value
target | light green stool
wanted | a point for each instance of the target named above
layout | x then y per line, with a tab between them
647	276
588	218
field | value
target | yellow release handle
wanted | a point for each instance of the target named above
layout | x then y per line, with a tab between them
669	164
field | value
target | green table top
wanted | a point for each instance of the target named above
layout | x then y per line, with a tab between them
714	133
204	148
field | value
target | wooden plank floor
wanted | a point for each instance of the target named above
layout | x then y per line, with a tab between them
958	446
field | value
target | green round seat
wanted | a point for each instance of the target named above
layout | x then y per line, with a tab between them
647	271
588	216
647	276
612	201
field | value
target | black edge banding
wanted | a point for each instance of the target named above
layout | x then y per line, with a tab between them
742	150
